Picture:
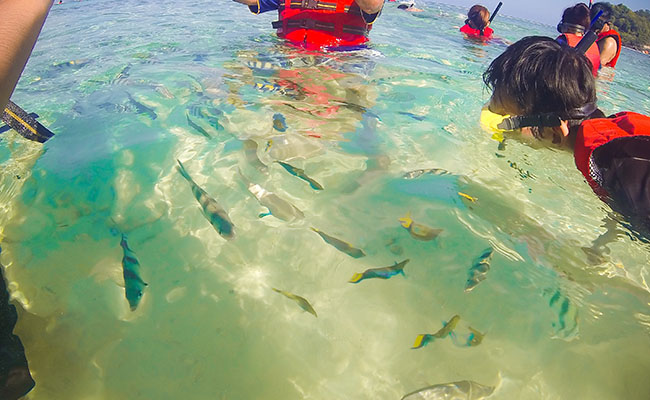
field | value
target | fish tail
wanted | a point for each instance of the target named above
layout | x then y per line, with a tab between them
406	221
421	341
356	278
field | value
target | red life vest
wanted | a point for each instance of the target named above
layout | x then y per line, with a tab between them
314	24
593	54
616	37
596	132
476	33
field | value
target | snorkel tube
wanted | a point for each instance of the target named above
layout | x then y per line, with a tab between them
496	11
590	37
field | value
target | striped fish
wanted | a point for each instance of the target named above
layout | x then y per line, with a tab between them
215	214
133	283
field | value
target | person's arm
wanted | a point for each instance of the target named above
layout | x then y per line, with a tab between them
370	6
608	48
260	6
22	22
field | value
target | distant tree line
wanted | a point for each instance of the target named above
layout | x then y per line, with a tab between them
634	27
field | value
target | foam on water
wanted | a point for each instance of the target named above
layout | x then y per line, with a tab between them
558	324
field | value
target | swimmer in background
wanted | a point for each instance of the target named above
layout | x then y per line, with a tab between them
613	153
575	22
609	41
339	24
477	23
409	6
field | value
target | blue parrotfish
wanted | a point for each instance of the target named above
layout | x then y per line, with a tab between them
478	271
461	390
419	231
340	245
133	283
300	173
381	273
447	329
279	123
302	302
215	214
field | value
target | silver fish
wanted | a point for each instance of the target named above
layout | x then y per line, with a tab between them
461	390
478	271
278	207
215	214
419	172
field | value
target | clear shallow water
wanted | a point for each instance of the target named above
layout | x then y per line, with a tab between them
558	325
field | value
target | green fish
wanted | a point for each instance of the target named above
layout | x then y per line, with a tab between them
133	283
381	273
197	127
479	270
300	173
340	245
447	328
419	231
302	302
461	390
215	214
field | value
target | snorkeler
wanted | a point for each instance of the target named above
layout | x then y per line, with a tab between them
609	41
321	24
409	6
477	23
575	22
613	153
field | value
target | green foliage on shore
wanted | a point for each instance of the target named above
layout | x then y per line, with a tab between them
634	27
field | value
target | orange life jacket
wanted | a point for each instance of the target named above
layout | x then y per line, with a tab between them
476	33
314	24
593	54
617	37
596	132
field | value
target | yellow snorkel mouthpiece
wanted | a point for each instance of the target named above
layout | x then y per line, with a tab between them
490	121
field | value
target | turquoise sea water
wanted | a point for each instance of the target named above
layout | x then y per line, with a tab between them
202	82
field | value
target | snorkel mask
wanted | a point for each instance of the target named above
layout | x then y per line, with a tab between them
564	27
551	120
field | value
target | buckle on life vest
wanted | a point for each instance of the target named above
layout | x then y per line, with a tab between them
310	4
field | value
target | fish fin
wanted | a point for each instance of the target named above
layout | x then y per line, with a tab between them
266	214
356	278
421	341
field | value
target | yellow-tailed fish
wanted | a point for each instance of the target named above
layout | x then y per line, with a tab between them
340	245
447	328
300	173
215	214
381	273
461	390
419	172
419	231
475	337
133	283
468	197
278	207
479	270
302	302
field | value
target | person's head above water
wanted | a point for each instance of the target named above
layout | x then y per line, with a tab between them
603	22
544	84
478	17
575	19
406	4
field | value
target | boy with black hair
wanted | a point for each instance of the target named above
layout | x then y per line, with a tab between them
609	41
549	90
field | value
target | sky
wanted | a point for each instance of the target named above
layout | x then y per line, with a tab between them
547	12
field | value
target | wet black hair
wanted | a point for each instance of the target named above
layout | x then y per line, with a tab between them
538	75
577	15
607	10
